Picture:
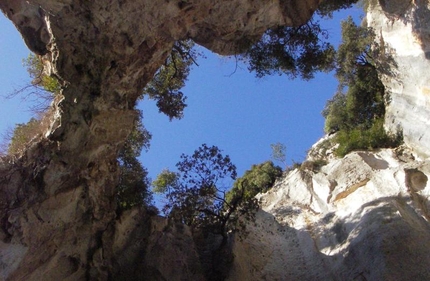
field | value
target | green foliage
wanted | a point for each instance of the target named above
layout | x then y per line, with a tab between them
260	178
165	182
358	112
358	51
133	187
335	113
372	138
294	51
327	7
196	194
35	69
170	79
278	152
44	88
22	135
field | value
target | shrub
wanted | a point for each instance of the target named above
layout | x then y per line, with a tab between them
372	138
357	113
313	165
259	178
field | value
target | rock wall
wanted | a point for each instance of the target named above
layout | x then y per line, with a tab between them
58	218
404	26
363	217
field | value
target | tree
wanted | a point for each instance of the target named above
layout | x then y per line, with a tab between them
165	182
104	62
294	51
170	79
327	7
40	79
22	135
42	88
278	152
197	193
335	113
260	178
134	186
358	108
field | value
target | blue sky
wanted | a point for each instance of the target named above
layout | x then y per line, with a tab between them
239	113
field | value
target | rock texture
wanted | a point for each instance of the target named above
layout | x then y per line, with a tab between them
366	216
404	26
57	207
363	217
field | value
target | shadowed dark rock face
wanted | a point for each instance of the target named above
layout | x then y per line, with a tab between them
57	207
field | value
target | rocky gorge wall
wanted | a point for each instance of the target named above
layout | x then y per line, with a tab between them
365	216
404	26
58	215
362	217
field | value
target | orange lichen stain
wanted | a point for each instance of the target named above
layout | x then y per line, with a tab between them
351	189
425	91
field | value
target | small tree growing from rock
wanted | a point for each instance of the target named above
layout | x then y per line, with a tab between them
196	194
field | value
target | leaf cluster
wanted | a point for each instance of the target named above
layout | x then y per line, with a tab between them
40	79
134	186
358	108
371	138
294	51
165	87
260	178
22	135
196	194
327	7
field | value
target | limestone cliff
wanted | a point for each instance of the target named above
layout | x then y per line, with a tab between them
58	217
404	26
363	217
366	216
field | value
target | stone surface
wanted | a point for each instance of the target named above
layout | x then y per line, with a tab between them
363	217
58	217
405	28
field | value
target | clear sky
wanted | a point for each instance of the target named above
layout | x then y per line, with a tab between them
237	112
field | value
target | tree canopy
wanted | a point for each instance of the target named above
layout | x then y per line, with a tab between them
260	178
165	87
297	52
196	194
358	108
134	185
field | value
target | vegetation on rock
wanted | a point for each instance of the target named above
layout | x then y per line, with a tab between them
278	152
170	79
357	110
198	193
260	178
134	186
